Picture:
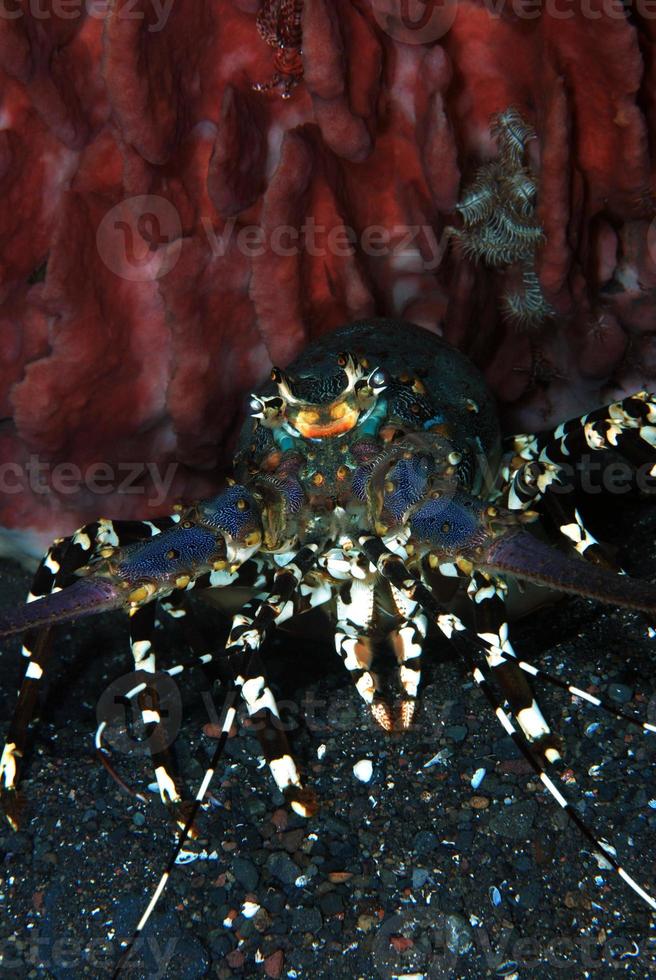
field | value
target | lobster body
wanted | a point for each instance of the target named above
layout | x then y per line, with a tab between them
372	480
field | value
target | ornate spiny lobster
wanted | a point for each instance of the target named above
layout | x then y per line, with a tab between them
371	482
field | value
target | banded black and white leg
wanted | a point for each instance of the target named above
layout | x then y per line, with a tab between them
488	594
627	427
56	570
452	628
142	639
354	644
535	473
246	635
408	643
51	575
247	640
393	568
310	595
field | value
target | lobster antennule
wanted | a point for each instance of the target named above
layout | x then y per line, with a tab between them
83	598
526	557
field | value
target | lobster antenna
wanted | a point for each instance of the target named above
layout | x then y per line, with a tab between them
577	692
183	837
393	568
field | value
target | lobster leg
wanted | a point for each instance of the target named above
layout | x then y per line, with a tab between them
569	522
142	631
36	647
488	596
142	627
355	612
407	642
246	635
55	572
601	847
394	569
627	427
270	608
308	597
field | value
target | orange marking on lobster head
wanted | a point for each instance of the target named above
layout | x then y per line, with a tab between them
322	423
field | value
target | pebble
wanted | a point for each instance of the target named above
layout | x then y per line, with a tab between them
306	920
424	842
478	778
138	819
606	792
273	964
457	733
458	935
292	839
363	770
479	802
339	877
332	904
515	821
524	863
236	959
245	873
530	895
419	877
281	866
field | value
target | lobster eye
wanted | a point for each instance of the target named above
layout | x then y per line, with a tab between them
187	524
242	504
